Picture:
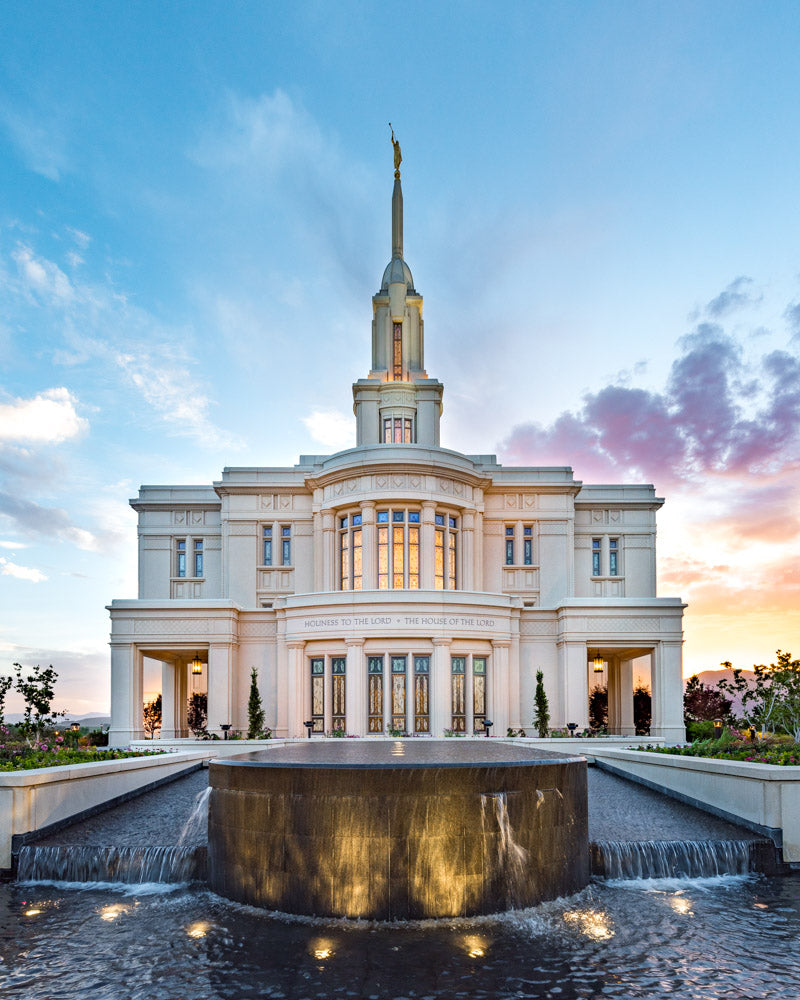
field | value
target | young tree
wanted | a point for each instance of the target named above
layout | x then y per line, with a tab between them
5	687
598	707
541	715
701	703
255	711
759	700
642	709
786	676
197	713
37	690
152	717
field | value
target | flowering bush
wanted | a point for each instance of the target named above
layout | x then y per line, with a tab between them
50	751
733	745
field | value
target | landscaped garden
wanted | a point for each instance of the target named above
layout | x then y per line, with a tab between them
39	739
753	719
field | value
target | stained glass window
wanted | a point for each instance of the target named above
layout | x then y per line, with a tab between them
458	704
422	669
527	545
338	665
375	694
318	694
613	550
397	352
267	543
595	557
399	693
180	557
478	693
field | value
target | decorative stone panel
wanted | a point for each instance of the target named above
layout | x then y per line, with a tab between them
546	628
629	624
257	630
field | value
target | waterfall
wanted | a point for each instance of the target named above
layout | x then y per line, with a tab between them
132	865
671	858
197	822
511	856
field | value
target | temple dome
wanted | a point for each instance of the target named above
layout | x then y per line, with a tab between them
396	271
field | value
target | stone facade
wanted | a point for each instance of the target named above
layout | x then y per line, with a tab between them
397	585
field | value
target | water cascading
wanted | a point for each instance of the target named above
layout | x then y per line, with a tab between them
671	858
131	865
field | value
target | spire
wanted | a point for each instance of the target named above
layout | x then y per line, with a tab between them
397	201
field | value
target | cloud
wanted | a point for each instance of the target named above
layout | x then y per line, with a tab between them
13	545
43	276
718	414
48	418
332	428
8	568
51	522
40	142
736	296
792	317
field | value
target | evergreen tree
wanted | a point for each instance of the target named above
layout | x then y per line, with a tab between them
541	716
152	717
197	713
255	711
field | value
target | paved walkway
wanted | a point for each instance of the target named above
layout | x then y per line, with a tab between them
618	810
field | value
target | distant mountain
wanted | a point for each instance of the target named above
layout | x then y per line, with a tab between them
90	721
712	677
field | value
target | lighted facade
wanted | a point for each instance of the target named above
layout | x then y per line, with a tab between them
397	585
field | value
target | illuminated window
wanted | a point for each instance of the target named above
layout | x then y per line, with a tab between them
595	557
613	554
397	430
445	552
527	545
375	694
509	545
286	545
318	694
350	553
397	352
458	666
478	693
398	541
198	557
266	546
422	671
338	672
180	557
399	692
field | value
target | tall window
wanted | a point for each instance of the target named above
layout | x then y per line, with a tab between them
338	664
458	665
267	545
198	557
350	552
180	557
397	352
478	693
318	694
509	545
422	671
399	693
286	545
398	549
397	430
613	557
375	694
444	569
595	557
527	545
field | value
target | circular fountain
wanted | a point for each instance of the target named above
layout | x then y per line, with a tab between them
398	830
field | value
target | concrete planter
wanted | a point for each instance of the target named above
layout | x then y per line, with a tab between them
48	796
763	797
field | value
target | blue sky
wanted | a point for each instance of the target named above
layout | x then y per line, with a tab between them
601	210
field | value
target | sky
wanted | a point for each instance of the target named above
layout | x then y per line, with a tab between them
601	211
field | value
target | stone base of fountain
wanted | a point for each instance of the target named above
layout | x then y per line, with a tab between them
398	830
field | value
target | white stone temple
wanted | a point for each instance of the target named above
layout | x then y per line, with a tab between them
398	585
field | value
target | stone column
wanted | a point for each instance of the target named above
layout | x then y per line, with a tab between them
328	551
327	711
369	566
477	579
572	663
441	714
221	686
427	581
469	696
666	685
355	688
126	695
620	697
297	692
467	556
498	707
318	551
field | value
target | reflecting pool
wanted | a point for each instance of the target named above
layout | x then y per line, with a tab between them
714	938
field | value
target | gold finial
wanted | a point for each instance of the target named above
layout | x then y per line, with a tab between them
398	156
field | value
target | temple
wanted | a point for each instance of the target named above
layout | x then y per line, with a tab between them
398	586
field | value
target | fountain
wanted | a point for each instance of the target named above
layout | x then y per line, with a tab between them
398	830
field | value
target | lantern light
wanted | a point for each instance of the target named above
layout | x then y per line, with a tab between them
598	664
196	664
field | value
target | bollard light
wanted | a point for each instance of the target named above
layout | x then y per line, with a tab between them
717	728
225	726
487	725
572	726
309	726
